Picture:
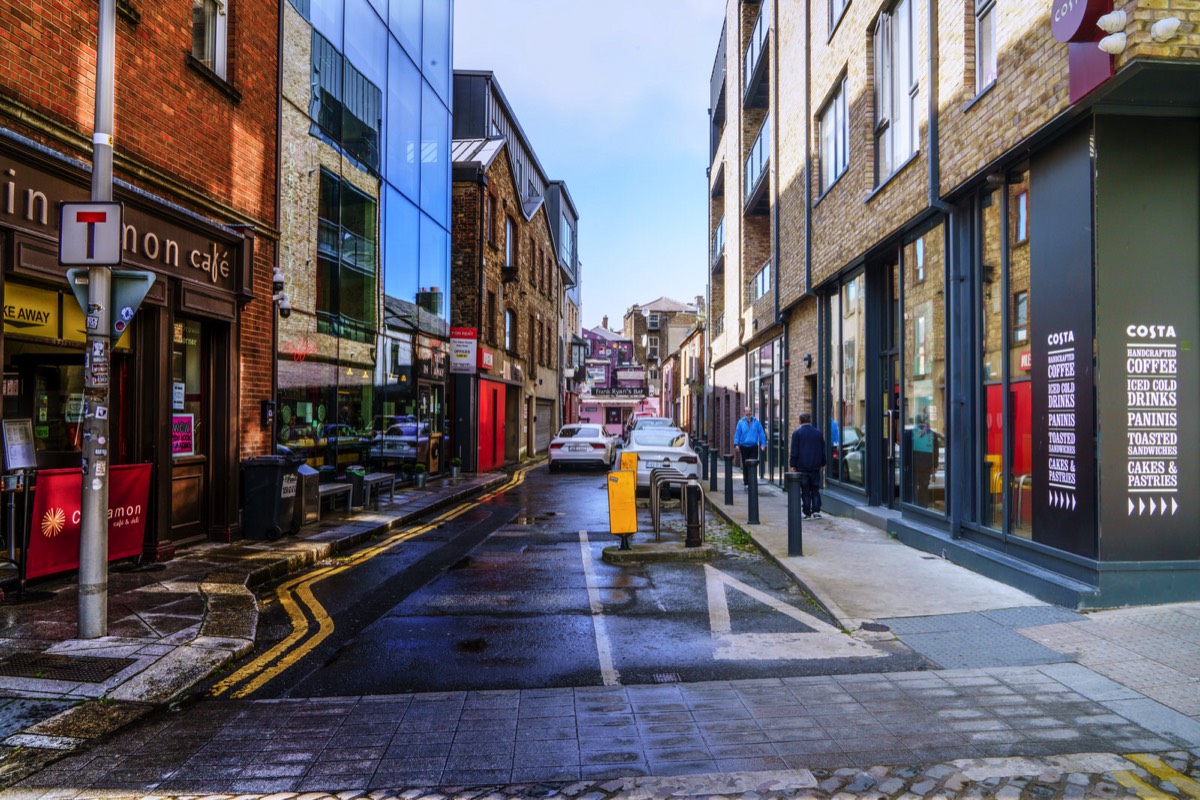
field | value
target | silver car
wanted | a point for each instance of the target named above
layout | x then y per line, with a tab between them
581	444
662	447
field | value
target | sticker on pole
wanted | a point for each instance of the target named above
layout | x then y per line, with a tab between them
90	235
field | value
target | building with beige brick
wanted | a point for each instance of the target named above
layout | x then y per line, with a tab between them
515	254
982	221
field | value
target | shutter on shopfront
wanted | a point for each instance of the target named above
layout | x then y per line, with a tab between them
543	431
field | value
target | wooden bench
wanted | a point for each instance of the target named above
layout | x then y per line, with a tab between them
332	491
372	480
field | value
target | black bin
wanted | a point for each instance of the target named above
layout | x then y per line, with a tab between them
269	496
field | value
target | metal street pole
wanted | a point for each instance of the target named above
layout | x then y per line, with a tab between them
93	540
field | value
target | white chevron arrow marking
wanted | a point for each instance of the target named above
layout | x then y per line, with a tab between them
1131	506
1141	506
1174	506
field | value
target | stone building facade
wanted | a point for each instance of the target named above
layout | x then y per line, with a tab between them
956	192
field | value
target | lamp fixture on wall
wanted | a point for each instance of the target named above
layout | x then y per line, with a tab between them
279	296
808	360
1112	23
1164	30
1114	43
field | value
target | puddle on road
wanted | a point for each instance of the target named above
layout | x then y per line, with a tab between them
471	645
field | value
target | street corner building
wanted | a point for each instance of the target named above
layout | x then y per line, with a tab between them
195	167
515	279
967	242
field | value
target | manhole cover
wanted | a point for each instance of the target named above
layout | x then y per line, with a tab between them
81	669
875	627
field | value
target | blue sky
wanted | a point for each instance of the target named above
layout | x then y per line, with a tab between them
613	95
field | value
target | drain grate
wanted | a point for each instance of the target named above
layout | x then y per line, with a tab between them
81	669
667	677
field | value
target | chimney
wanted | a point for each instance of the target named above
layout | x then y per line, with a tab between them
604	322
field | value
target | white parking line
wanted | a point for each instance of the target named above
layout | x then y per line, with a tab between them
607	672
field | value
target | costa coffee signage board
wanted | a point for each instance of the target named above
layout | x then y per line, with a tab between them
1075	20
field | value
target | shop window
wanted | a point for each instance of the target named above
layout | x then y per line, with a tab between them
895	90
924	477
847	387
1020	365
209	34
992	468
187	390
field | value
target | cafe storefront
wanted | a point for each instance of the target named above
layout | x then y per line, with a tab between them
174	396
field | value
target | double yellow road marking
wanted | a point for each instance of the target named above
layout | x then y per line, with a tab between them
1156	767
311	623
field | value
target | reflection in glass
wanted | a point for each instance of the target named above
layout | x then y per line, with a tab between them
434	278
925	429
991	368
1020	368
435	157
403	167
853	403
435	56
833	429
404	20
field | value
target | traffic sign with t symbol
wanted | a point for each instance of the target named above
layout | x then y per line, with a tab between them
90	235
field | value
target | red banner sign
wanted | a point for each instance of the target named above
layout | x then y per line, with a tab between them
54	530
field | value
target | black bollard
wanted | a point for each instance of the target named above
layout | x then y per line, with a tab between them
752	491
691	499
702	451
712	469
729	479
795	515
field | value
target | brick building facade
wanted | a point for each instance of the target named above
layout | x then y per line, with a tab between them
195	165
514	254
957	193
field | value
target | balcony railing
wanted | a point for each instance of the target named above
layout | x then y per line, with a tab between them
718	244
758	159
756	50
718	326
716	84
336	242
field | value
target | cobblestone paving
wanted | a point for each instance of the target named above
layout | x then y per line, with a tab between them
1170	775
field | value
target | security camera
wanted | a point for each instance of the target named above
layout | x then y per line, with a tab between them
277	281
285	308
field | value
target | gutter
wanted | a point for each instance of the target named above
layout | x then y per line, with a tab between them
935	168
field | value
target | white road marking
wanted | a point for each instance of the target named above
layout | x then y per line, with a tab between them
825	642
603	646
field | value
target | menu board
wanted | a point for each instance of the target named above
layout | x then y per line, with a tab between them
1062	421
1152	420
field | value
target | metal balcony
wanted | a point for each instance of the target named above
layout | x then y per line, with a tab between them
757	199
717	261
756	63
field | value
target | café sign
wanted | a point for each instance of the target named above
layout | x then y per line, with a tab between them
1075	20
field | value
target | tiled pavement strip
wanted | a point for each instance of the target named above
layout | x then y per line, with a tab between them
1013	731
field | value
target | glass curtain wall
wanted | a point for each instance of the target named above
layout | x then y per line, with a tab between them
848	382
924	439
379	122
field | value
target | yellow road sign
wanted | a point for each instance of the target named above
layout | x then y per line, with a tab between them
622	501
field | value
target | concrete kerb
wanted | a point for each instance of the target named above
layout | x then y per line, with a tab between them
227	631
839	616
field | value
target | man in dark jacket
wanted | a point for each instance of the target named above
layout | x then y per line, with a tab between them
808	458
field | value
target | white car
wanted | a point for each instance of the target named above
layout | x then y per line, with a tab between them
662	447
581	444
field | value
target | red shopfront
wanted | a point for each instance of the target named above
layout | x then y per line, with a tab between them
176	366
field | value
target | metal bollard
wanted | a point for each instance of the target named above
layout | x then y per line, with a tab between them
795	515
729	479
691	499
712	469
702	451
752	491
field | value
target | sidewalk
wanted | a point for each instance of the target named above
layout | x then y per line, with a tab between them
171	625
878	588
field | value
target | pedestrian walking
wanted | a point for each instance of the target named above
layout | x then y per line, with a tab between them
750	440
807	457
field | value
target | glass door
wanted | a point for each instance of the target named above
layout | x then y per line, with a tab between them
889	478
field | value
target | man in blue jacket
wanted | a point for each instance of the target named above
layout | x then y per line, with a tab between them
808	458
750	440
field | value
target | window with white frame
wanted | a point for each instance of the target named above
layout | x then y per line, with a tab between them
510	243
208	34
835	137
652	347
985	44
895	90
652	321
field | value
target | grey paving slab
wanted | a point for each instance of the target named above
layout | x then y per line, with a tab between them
1154	716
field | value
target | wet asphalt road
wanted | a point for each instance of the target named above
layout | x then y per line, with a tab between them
498	599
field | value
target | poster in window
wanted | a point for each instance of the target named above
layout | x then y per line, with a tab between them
183	434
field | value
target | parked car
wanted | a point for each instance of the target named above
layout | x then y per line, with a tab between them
408	441
645	422
662	447
581	444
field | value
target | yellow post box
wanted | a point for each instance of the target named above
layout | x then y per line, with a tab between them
622	503
629	462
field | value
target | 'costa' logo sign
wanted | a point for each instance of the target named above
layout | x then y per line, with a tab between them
1075	20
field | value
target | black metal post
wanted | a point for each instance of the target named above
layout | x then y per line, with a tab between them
729	479
752	491
795	515
691	498
712	469
702	451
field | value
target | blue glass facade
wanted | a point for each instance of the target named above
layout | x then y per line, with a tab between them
366	173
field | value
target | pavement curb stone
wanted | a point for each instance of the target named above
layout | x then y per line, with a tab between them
227	631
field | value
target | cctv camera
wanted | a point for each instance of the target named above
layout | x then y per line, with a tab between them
277	281
285	308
